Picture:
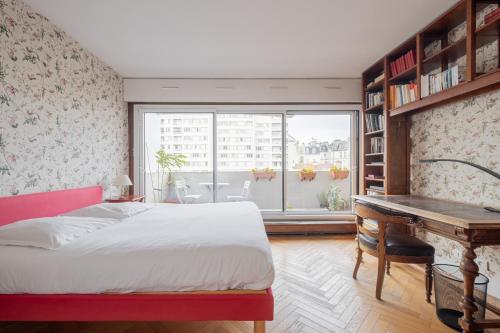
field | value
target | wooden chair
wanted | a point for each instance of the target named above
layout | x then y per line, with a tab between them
378	235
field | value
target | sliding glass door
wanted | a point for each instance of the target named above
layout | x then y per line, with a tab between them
318	162
250	159
285	161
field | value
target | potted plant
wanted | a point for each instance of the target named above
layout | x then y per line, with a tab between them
165	177
335	201
307	173
266	173
339	173
323	200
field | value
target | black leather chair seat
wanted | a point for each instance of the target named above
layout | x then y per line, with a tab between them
400	244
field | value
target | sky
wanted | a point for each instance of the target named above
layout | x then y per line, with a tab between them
320	127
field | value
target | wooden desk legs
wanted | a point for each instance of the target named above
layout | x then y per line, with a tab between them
470	270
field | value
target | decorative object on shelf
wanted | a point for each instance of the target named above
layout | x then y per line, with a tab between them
488	171
339	173
266	173
432	48
122	181
457	33
307	174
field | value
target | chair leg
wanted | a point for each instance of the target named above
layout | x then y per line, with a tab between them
388	267
358	262
428	282
380	277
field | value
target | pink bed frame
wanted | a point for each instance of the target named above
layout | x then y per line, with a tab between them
257	307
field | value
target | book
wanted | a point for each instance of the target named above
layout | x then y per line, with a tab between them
482	10
492	16
374	99
433	83
403	63
377	145
401	94
374	122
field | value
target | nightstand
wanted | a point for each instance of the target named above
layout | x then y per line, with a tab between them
128	198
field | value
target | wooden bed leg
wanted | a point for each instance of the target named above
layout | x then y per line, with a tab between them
259	326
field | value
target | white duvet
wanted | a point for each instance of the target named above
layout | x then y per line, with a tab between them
167	248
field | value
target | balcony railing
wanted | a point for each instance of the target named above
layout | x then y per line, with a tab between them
302	195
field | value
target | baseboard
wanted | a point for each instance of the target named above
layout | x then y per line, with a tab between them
311	227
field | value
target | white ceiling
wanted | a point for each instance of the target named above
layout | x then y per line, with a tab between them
240	38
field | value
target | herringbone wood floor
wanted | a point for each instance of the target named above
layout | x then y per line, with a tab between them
314	292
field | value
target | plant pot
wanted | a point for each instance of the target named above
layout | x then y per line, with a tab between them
269	175
340	174
307	176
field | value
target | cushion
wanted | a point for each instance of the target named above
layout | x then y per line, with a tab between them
119	210
400	245
50	232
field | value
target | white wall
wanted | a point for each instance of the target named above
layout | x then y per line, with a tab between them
243	90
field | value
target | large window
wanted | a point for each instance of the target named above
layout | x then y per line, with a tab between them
249	150
319	175
295	162
178	157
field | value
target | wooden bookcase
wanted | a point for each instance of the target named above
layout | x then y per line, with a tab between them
459	44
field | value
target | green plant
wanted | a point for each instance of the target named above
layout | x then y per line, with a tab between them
307	170
335	201
337	169
323	200
165	163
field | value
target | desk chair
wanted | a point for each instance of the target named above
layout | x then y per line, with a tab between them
378	235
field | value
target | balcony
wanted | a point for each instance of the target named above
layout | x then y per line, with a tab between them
303	196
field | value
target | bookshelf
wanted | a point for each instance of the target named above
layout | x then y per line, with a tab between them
456	55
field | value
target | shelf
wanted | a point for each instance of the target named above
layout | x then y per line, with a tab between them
378	107
375	190
374	165
375	179
374	132
480	82
490	29
445	50
375	86
480	75
409	72
374	154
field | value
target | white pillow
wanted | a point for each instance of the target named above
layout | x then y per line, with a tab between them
119	211
50	232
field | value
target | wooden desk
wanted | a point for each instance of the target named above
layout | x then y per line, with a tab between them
470	225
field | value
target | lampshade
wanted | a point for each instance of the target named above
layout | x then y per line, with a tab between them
122	180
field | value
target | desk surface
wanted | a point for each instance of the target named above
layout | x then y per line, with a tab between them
454	213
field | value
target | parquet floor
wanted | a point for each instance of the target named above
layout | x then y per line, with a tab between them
314	292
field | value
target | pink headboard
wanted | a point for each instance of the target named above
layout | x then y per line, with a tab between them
28	206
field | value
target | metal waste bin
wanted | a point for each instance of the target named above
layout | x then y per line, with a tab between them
449	289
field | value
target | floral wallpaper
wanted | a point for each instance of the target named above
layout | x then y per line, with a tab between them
467	130
63	122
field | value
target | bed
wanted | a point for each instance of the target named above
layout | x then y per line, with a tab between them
169	297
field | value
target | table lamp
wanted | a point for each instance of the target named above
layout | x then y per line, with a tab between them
491	172
123	181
